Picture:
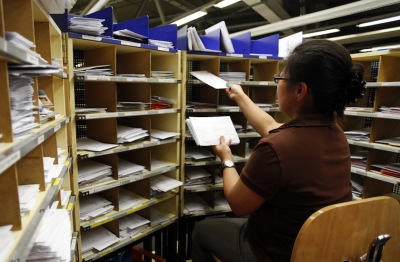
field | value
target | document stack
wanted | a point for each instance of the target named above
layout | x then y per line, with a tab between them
126	34
161	135
205	136
27	196
93	206
389	110
394	141
198	153
194	203
23	43
87	26
233	77
161	184
158	102
128	199
51	170
127	168
166	44
163	74
389	169
90	172
197	176
22	108
93	145
358	135
158	217
99	70
53	242
131	225
132	106
97	238
128	134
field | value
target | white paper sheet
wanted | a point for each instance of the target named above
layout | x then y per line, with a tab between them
210	79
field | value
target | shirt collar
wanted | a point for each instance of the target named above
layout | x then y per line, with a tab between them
308	121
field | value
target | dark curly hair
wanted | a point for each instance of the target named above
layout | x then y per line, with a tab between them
328	70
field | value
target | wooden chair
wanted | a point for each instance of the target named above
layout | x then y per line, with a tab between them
344	232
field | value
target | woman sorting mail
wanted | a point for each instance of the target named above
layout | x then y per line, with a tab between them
295	169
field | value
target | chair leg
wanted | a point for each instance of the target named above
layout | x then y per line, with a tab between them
376	247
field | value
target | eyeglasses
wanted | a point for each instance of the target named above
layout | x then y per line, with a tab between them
277	78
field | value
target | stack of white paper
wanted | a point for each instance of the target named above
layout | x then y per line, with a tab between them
27	196
99	70
158	217
198	153
156	164
131	225
358	135
129	35
167	44
194	203
194	41
128	199
207	131
160	134
163	74
86	25
132	105
97	238
93	145
6	240
53	241
126	168
128	134
22	108
161	183
92	206
90	110
197	176
233	76
90	171
18	39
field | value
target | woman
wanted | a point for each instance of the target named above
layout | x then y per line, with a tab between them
296	168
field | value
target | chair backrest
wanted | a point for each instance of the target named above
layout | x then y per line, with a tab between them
344	231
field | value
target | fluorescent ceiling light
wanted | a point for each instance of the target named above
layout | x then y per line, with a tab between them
189	18
99	5
226	3
327	14
380	48
325	32
380	21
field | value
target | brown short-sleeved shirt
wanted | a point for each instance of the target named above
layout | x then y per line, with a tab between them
299	168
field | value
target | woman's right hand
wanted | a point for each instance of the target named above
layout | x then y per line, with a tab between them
234	91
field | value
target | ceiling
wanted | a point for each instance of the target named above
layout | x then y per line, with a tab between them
249	14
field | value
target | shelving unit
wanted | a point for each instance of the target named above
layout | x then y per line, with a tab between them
93	91
21	157
382	76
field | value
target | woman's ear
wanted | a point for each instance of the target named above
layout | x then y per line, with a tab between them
301	90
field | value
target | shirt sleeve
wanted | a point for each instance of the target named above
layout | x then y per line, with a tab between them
262	173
